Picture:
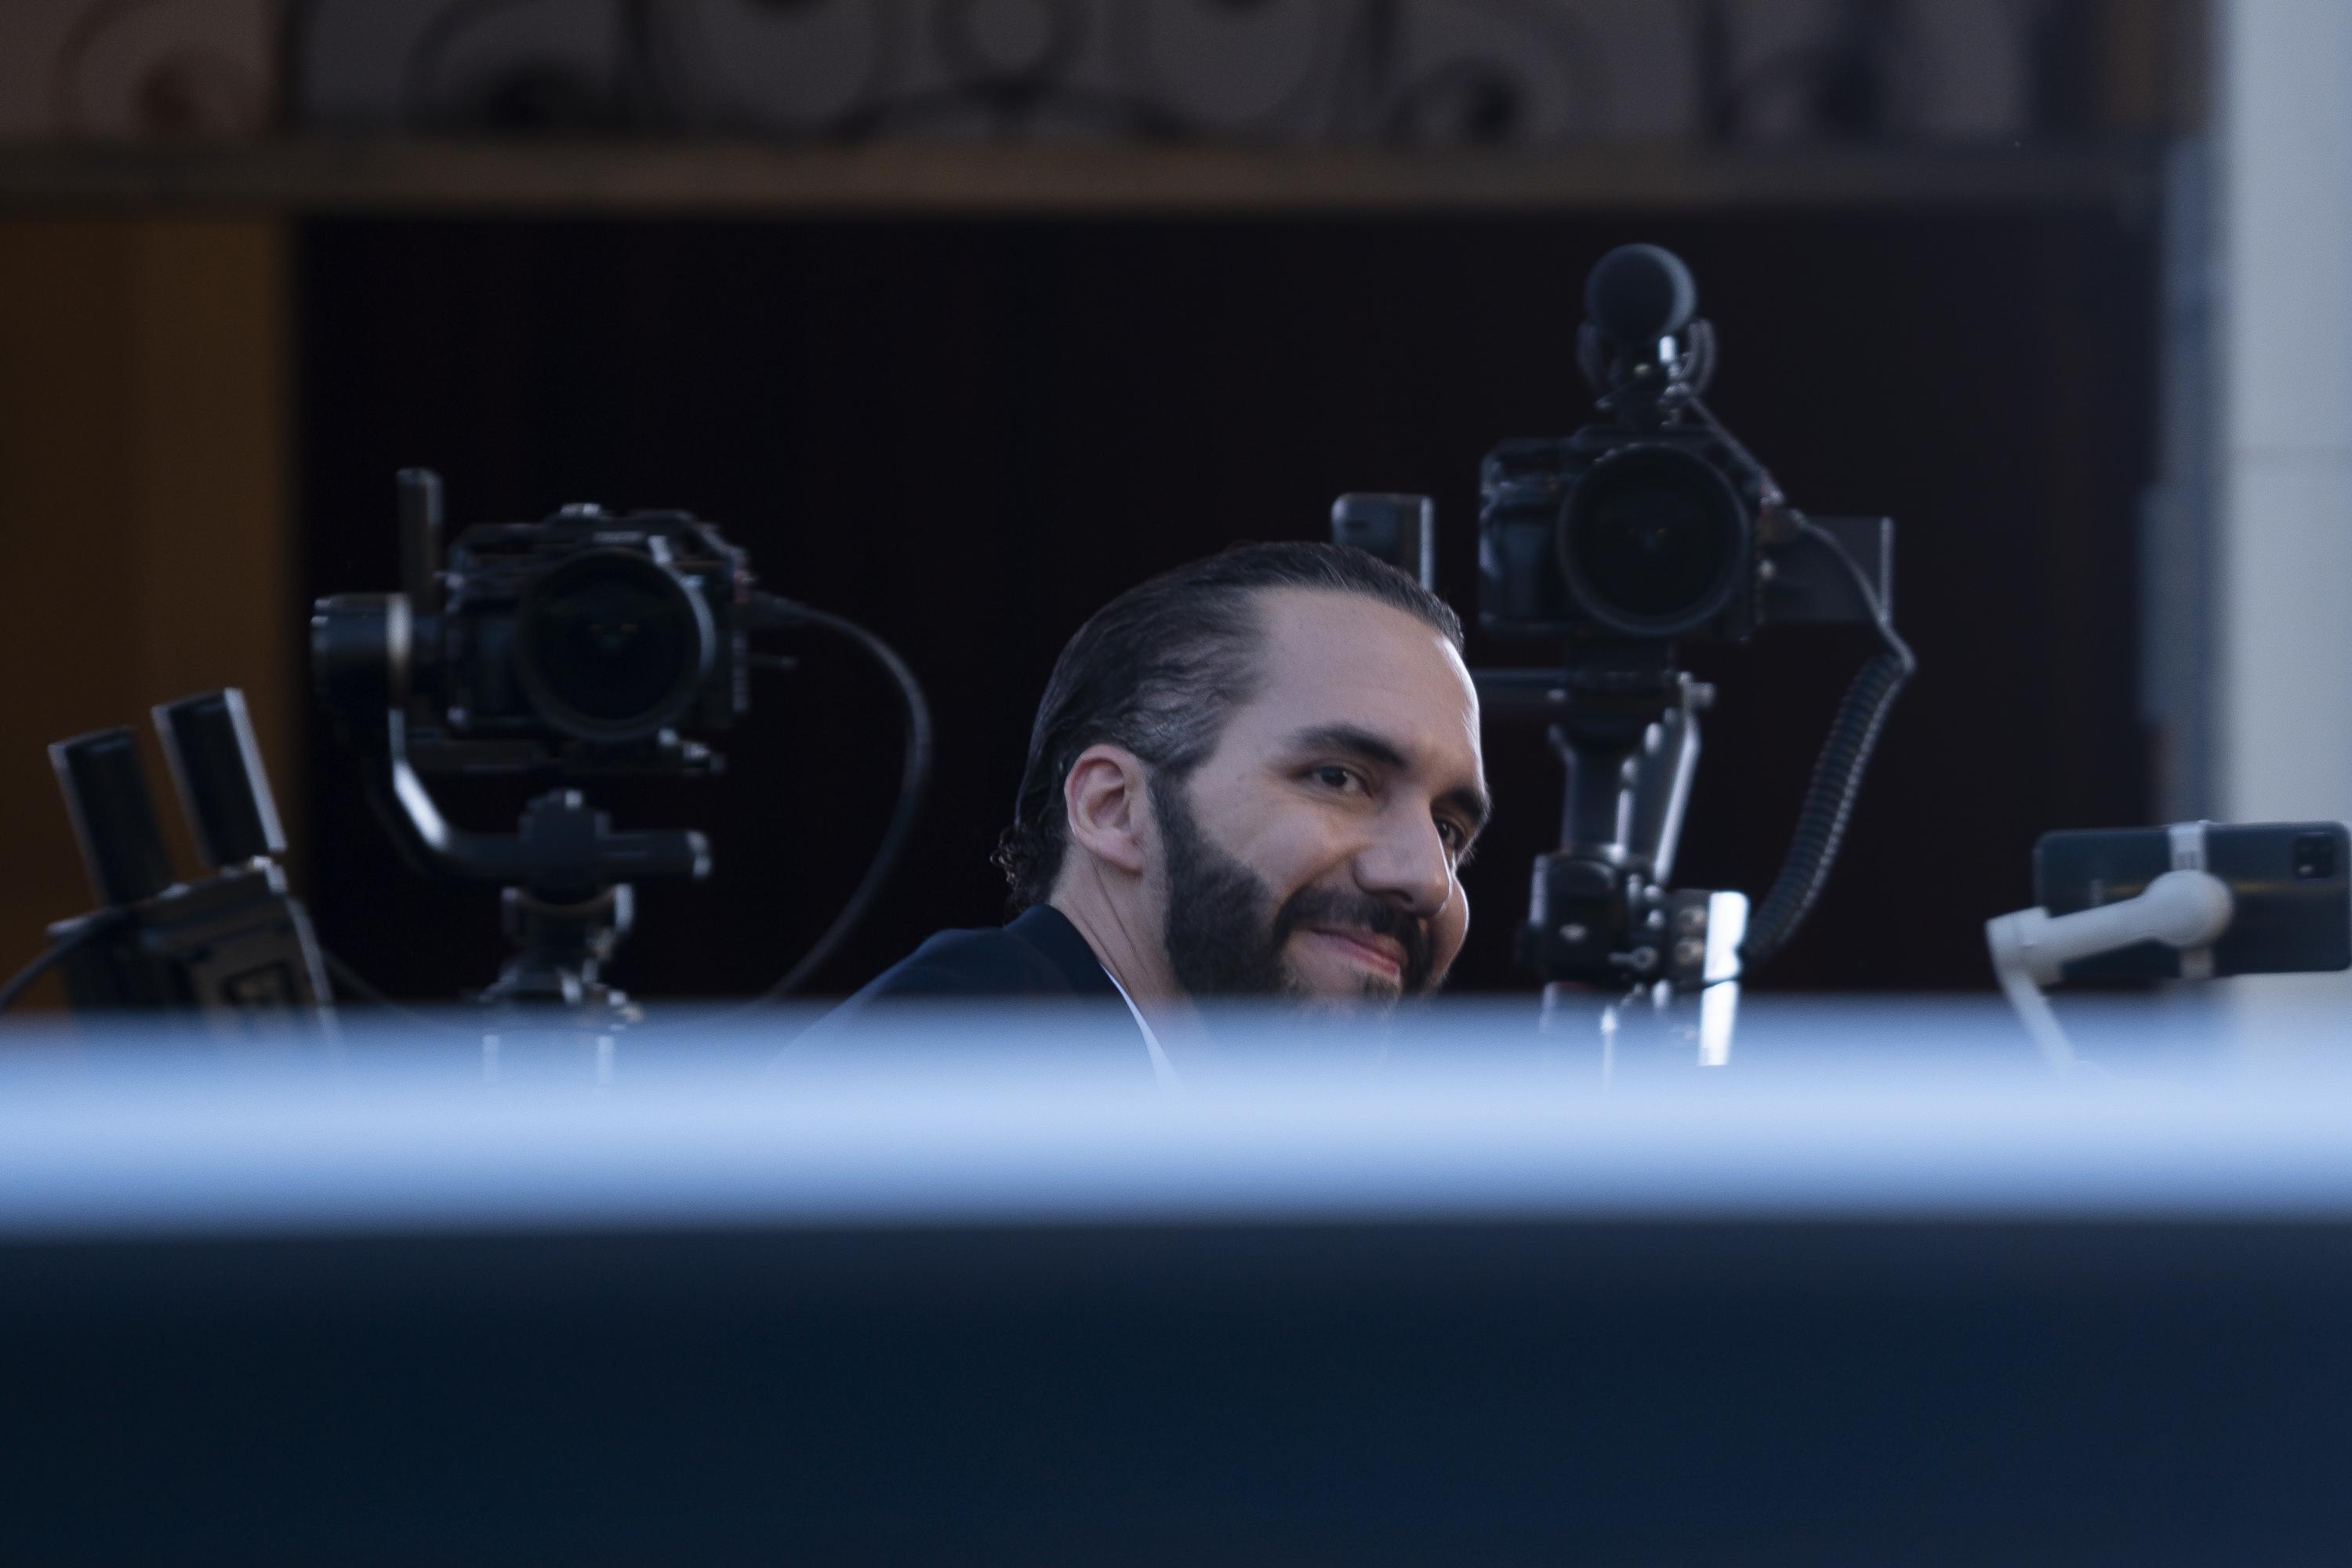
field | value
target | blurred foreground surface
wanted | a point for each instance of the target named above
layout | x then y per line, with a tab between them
1880	1289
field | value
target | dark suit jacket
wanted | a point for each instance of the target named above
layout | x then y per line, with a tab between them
1040	956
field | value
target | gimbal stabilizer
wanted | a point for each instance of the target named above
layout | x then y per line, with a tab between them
1652	526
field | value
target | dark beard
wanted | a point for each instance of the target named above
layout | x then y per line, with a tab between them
1225	936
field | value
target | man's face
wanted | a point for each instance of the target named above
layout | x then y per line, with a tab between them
1315	854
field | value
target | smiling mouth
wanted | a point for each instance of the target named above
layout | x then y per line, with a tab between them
1372	953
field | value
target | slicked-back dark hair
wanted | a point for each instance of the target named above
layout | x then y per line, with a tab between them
1159	670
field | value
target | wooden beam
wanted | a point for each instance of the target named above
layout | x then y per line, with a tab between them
960	179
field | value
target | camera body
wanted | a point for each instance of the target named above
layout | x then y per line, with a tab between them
585	643
1654	524
592	630
1621	533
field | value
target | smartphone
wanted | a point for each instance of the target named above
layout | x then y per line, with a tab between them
2291	882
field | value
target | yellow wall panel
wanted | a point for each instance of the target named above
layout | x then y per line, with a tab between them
143	529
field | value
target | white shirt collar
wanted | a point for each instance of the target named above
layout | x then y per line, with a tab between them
1163	1069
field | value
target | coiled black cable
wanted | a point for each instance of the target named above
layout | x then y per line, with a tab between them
1837	776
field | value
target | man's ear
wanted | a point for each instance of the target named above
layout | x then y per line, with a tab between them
1109	802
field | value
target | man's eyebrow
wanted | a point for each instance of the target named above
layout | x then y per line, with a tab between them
1354	740
1472	804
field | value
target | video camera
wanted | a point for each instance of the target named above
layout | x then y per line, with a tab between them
1650	526
1654	523
585	643
582	644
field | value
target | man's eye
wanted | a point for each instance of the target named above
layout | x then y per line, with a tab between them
1451	832
1333	776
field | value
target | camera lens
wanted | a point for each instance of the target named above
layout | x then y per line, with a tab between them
611	646
2315	857
1653	541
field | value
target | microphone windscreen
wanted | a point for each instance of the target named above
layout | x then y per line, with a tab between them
1638	293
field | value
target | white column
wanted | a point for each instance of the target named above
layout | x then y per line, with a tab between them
2281	694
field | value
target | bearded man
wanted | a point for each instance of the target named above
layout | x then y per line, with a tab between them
1254	776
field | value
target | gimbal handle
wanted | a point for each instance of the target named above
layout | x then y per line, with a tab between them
565	849
1630	756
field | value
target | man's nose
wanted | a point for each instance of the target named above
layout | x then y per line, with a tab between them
1407	865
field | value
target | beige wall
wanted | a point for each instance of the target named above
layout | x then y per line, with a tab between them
143	529
2281	666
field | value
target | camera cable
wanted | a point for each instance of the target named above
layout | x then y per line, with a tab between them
88	931
1853	736
774	611
914	781
1837	775
347	979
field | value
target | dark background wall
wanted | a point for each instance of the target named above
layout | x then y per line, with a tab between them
967	436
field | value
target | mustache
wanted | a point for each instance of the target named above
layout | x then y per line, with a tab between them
1348	909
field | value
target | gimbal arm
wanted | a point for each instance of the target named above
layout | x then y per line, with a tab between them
1601	912
565	849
